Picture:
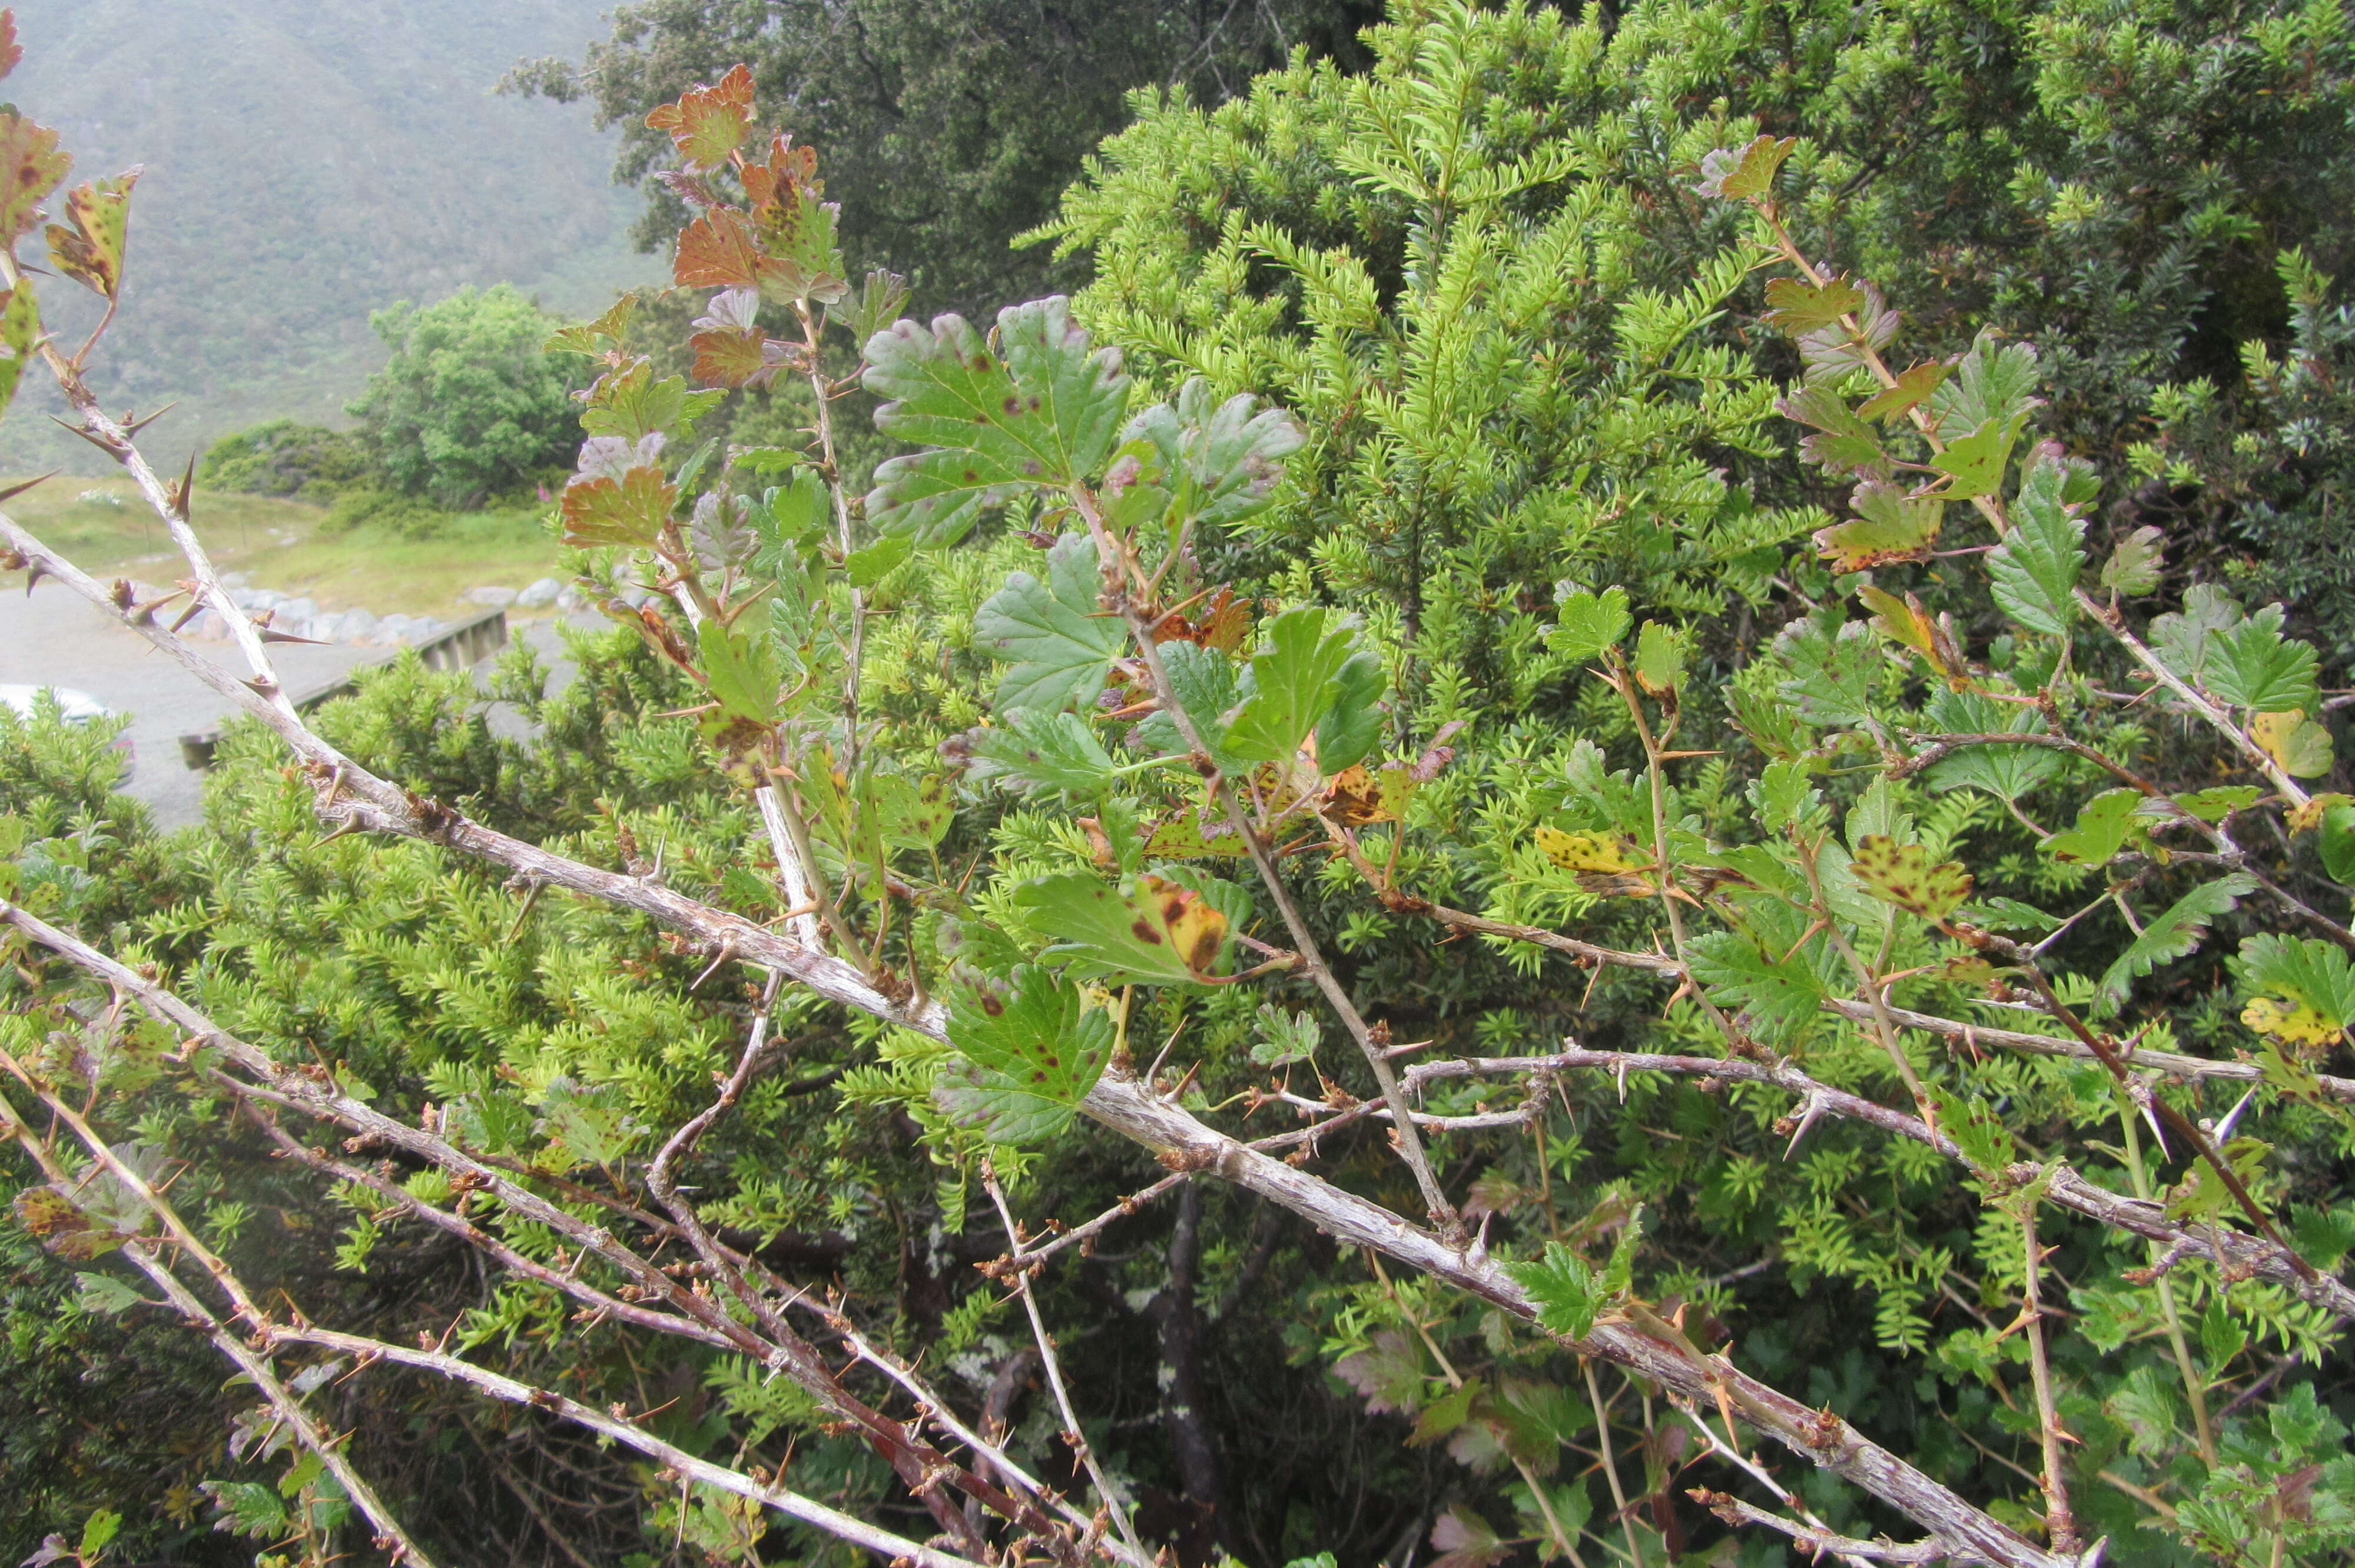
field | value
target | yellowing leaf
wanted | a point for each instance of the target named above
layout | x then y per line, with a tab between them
1914	384
21	334
708	123
1901	875
1889	527
89	251
1905	621
2301	746
2299	1024
1598	861
1743	173
1797	306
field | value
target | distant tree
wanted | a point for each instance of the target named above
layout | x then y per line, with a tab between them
468	406
959	121
285	457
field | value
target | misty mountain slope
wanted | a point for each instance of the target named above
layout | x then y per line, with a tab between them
307	162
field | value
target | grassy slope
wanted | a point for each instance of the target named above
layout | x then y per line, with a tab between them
278	545
307	163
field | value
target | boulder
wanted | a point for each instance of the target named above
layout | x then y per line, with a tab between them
490	597
540	594
355	625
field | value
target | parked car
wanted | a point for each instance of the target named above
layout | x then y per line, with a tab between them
78	707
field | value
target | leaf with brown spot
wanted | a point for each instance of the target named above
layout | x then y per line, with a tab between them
1889	527
1035	1048
88	246
1901	875
1148	930
31	166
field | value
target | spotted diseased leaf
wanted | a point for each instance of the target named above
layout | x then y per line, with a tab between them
1744	172
2104	825
1891	525
1059	645
1221	462
2252	666
2301	746
1842	443
2137	565
1796	305
1040	750
707	124
1034	404
629	510
1035	1048
1148	930
88	246
2173	934
1914	384
60	1224
1601	862
2215	804
2034	571
794	230
2306	987
21	336
31	166
1903	874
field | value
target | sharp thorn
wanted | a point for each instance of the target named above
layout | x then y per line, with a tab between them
270	636
132	427
15	489
187	489
101	442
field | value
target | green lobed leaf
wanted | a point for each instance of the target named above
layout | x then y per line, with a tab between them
1353	725
1035	1048
1060	647
1796	305
1220	463
1590	622
2252	666
2303	970
1974	463
2335	842
2173	934
1040	750
2184	638
1777	994
2035	569
2006	772
1994	384
740	667
20	334
1842	443
2104	825
1891	525
1829	668
1744	172
868	566
1032	405
2137	565
1297	679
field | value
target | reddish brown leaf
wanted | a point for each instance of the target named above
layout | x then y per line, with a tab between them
600	510
11	51
726	358
715	251
708	123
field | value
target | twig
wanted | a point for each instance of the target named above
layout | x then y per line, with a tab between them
1072	1434
2060	1523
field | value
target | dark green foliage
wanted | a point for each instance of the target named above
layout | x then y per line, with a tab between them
957	122
283	458
468	407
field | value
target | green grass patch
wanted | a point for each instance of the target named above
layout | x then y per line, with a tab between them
105	527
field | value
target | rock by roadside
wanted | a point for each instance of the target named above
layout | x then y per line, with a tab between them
357	626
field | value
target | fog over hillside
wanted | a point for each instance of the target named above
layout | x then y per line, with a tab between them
306	164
